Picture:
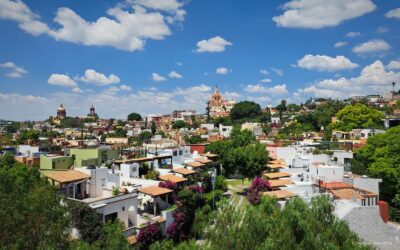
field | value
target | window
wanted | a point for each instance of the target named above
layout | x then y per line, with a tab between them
103	182
175	153
180	152
111	217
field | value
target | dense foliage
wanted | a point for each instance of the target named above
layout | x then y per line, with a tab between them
358	116
134	117
245	111
241	154
380	158
180	124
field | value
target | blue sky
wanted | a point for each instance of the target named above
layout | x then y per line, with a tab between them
154	56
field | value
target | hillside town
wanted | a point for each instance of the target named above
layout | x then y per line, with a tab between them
140	170
200	125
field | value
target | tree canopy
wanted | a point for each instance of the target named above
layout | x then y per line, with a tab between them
358	116
245	110
380	158
180	124
134	117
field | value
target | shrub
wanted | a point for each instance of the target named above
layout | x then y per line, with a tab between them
148	235
258	185
152	174
220	183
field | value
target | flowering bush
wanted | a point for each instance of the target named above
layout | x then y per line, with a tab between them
195	188
258	185
148	235
168	184
175	229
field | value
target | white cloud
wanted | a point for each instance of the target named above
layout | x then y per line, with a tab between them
127	26
20	12
264	72
96	78
14	70
340	44
353	34
395	13
22	107
179	64
214	44
125	87
77	90
394	65
222	71
157	78
62	80
174	74
266	80
231	95
382	29
372	46
277	89
279	72
316	14
325	63
373	79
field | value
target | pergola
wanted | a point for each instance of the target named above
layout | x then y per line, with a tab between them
280	183
66	177
277	175
280	194
183	171
203	160
195	164
172	178
155	192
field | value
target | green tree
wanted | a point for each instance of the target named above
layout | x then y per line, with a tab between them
245	111
380	158
145	136
153	127
30	212
134	117
358	116
180	124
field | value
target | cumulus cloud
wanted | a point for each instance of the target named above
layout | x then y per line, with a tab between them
266	80
394	65
222	71
21	107
316	14
395	13
157	78
125	88
14	71
77	90
258	88
277	71
126	26
62	80
340	44
174	74
264	72
382	29
353	34
372	46
19	12
325	63
214	44
374	78
99	79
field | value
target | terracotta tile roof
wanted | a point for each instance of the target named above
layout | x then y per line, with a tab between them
275	165
277	162
280	194
280	183
154	191
335	185
183	171
173	178
66	176
276	175
203	160
346	194
195	164
209	155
